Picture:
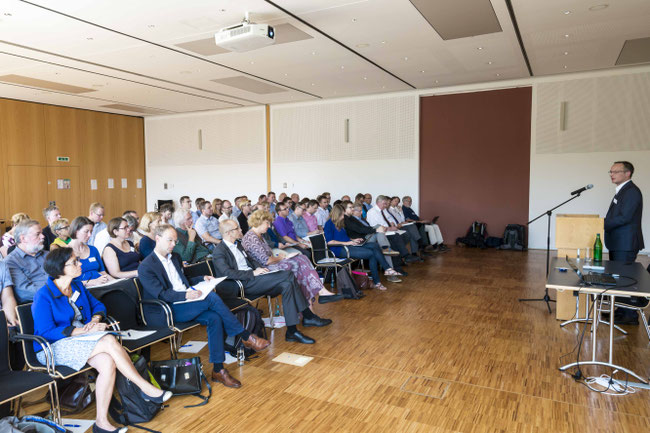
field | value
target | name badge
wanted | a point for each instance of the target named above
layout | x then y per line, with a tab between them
132	249
75	296
92	259
615	201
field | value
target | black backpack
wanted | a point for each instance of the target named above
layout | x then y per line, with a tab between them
251	319
131	408
476	235
514	238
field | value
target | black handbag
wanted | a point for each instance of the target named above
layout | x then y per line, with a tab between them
182	377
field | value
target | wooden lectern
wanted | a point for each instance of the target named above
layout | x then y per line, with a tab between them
573	232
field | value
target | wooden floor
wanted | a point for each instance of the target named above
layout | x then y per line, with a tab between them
448	350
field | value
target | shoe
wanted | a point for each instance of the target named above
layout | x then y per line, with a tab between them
381	287
390	252
393	279
299	337
222	376
315	321
166	395
402	273
256	343
101	430
329	298
411	259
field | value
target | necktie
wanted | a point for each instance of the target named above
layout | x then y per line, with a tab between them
385	219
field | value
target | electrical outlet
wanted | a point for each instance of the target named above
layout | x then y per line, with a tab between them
165	185
284	184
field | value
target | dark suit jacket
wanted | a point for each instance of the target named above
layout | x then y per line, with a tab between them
49	237
355	228
623	220
226	266
156	284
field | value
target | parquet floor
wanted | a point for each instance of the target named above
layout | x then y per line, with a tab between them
448	350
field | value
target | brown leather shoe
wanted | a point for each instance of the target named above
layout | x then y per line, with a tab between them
256	343
224	377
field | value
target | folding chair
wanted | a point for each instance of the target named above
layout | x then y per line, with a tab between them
15	384
323	258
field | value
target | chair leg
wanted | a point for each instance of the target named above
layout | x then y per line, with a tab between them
268	298
173	350
54	402
645	322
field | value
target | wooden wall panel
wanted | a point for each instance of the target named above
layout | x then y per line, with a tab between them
127	134
64	132
27	190
22	132
68	200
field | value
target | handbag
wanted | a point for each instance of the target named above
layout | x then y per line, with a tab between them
347	286
361	280
182	377
77	394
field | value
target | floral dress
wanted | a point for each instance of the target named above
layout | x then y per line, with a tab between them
300	266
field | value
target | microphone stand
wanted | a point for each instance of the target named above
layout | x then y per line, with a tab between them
548	213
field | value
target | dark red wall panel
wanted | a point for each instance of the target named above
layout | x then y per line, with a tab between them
475	159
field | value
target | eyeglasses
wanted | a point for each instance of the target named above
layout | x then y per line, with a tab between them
75	262
234	230
122	228
226	208
63	228
616	171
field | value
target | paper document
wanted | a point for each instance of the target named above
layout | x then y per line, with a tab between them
292	359
109	283
133	334
205	287
291	255
193	346
278	322
92	336
77	425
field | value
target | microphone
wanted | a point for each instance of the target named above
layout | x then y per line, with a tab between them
584	188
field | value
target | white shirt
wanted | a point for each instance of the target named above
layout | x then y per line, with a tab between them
322	215
618	187
225	217
398	213
375	218
242	265
101	240
172	273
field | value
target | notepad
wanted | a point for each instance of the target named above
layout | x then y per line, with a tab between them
205	287
293	359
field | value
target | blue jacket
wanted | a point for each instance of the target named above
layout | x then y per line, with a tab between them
623	220
53	315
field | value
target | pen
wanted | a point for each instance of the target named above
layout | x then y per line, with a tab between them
185	345
71	425
192	288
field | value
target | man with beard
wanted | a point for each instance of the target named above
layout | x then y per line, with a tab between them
25	263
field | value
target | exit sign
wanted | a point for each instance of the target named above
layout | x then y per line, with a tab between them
62	159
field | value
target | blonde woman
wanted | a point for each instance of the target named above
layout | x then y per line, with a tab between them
8	238
308	279
148	224
61	228
217	204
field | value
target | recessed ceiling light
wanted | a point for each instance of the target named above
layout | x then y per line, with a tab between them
383	87
599	7
383	42
436	81
489	63
252	62
342	67
406	58
313	84
498	75
565	66
313	53
566	53
566	36
365	78
479	48
567	12
422	71
362	45
286	75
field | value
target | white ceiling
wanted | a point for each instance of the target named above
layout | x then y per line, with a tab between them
126	51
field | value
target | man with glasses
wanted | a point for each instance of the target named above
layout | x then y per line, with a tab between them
226	209
51	214
96	215
623	234
299	224
230	260
285	229
161	275
208	226
25	263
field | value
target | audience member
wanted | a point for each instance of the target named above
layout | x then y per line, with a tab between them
58	316
8	238
208	226
7	299
197	214
133	214
310	216
60	228
133	223
51	214
299	223
322	212
359	199
147	227
120	257
185	203
261	200
231	261
345	198
270	198
227	212
161	275
217	205
189	248
367	201
96	215
399	240
166	212
242	219
432	230
339	241
329	201
236	210
25	263
284	228
281	197
295	198
395	215
299	265
92	266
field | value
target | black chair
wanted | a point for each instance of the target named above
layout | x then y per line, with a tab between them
27	337
123	306
323	258
15	384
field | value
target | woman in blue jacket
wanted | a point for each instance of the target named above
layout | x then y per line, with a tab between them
63	311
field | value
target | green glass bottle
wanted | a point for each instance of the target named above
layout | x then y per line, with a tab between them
598	249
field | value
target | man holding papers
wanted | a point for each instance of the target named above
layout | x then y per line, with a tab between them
161	275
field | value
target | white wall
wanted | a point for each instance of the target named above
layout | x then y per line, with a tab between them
232	161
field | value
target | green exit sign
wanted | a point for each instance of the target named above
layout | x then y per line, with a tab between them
62	159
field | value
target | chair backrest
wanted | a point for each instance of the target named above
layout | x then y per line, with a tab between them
198	270
121	302
27	327
4	344
318	247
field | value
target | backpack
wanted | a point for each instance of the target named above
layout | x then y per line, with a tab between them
514	238
251	319
475	237
131	408
347	287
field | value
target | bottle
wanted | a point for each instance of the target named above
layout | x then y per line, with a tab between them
277	310
598	250
241	357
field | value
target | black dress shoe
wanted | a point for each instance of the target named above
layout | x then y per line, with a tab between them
330	298
299	337
101	430
411	259
315	321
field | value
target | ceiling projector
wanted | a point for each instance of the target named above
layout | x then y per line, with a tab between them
245	37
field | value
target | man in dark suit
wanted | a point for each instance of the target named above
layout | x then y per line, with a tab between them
162	277
623	235
230	260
